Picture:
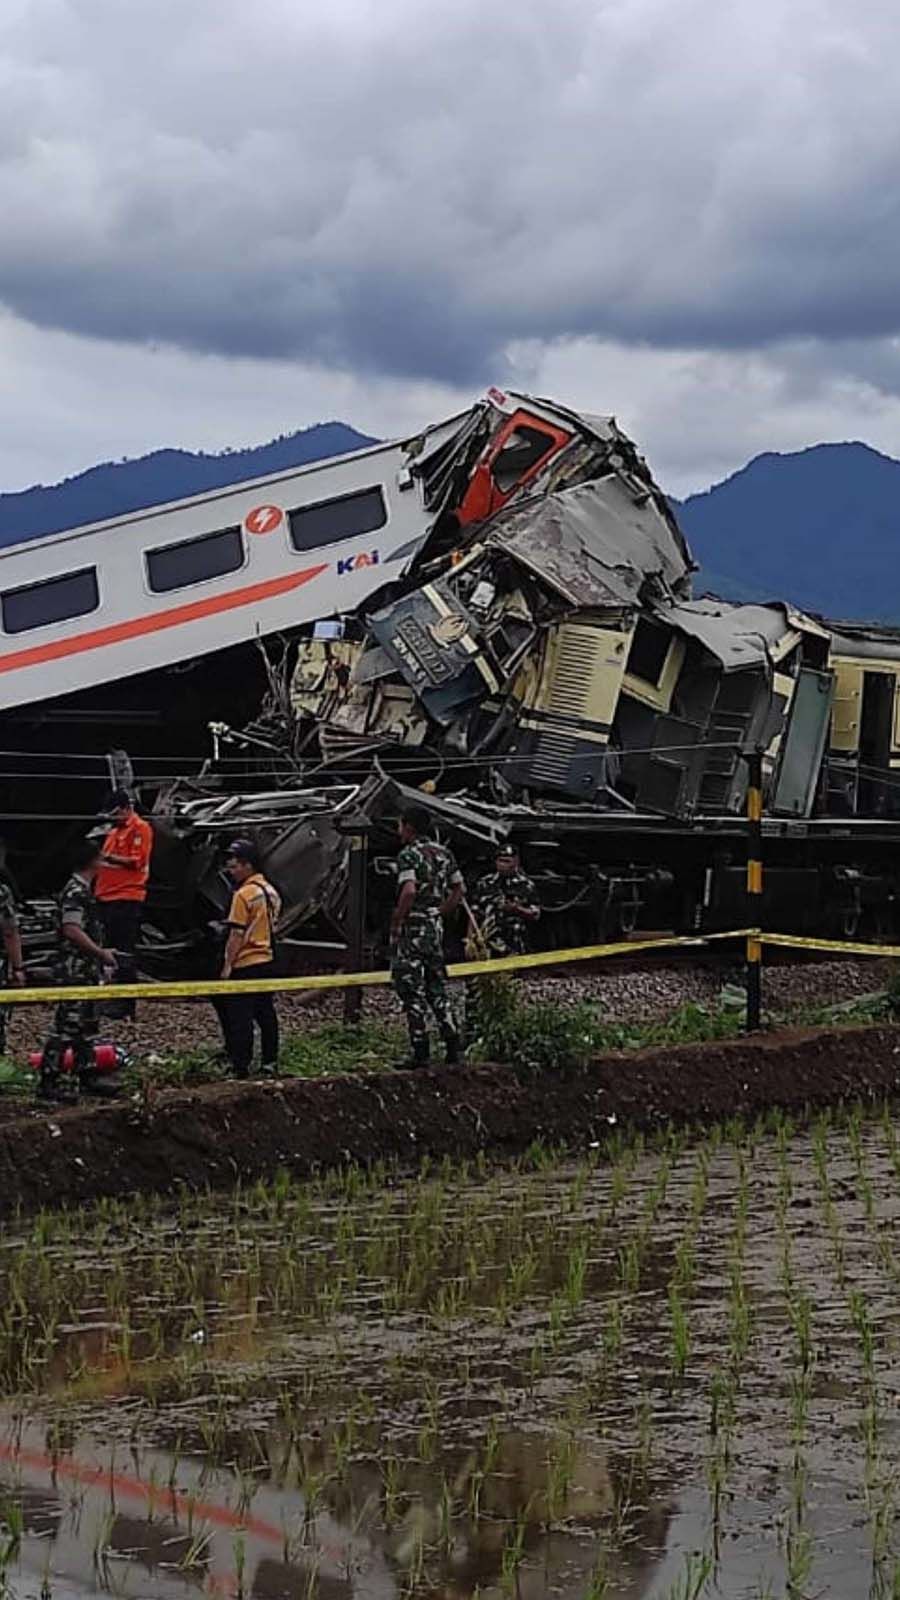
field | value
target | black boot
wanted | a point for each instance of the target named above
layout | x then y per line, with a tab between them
53	1083
419	1055
59	1087
453	1045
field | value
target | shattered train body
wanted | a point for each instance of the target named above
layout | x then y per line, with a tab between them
540	672
494	619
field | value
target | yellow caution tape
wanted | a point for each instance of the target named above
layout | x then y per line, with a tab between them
198	989
791	941
350	980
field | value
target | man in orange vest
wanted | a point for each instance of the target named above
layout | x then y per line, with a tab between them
121	886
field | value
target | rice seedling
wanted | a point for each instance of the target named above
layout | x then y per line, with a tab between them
680	1332
513	1555
11	1529
197	1550
560	1468
692	1580
600	1580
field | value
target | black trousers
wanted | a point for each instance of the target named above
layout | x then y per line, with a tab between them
237	1014
121	930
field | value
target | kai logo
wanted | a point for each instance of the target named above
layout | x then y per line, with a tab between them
366	558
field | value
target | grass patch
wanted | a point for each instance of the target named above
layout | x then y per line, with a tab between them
14	1078
334	1047
331	1048
537	1034
174	1071
862	1009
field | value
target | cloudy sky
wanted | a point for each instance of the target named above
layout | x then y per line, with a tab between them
223	220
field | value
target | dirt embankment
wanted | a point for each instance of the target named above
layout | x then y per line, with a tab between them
218	1133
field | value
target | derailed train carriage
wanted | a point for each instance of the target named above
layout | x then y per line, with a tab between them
512	641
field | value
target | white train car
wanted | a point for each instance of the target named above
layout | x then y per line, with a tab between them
97	604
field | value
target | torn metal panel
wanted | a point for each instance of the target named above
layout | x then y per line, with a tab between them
809	626
382	711
460	815
322	674
372	663
803	745
617	454
595	546
738	636
442	458
296	830
667	777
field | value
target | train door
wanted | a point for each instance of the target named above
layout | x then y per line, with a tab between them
876	723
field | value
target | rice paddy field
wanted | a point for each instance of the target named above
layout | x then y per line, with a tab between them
655	1371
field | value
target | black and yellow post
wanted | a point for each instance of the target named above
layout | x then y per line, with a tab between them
356	828
754	889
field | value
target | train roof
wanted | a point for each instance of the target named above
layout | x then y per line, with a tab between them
872	640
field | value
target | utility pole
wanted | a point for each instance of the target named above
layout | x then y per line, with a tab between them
754	889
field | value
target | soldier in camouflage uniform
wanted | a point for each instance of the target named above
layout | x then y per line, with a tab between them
505	902
81	959
430	887
12	969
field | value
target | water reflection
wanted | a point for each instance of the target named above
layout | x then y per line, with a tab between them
155	1525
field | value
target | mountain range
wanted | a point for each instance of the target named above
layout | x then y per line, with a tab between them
820	527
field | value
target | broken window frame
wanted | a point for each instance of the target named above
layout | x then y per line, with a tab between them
483	496
657	695
523	432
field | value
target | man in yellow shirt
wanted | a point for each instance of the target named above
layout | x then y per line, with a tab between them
249	953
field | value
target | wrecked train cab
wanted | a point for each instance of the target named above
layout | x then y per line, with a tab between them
653	710
706	682
495	622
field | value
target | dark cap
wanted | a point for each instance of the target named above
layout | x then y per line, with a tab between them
417	818
506	852
244	850
120	797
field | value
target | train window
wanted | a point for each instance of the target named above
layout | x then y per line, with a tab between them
211	555
649	650
523	449
36	605
345	517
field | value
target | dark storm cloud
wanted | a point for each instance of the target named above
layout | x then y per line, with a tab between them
402	189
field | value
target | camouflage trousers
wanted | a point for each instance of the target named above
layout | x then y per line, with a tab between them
503	936
74	1023
419	977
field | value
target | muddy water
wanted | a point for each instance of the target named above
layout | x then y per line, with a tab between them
655	1373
